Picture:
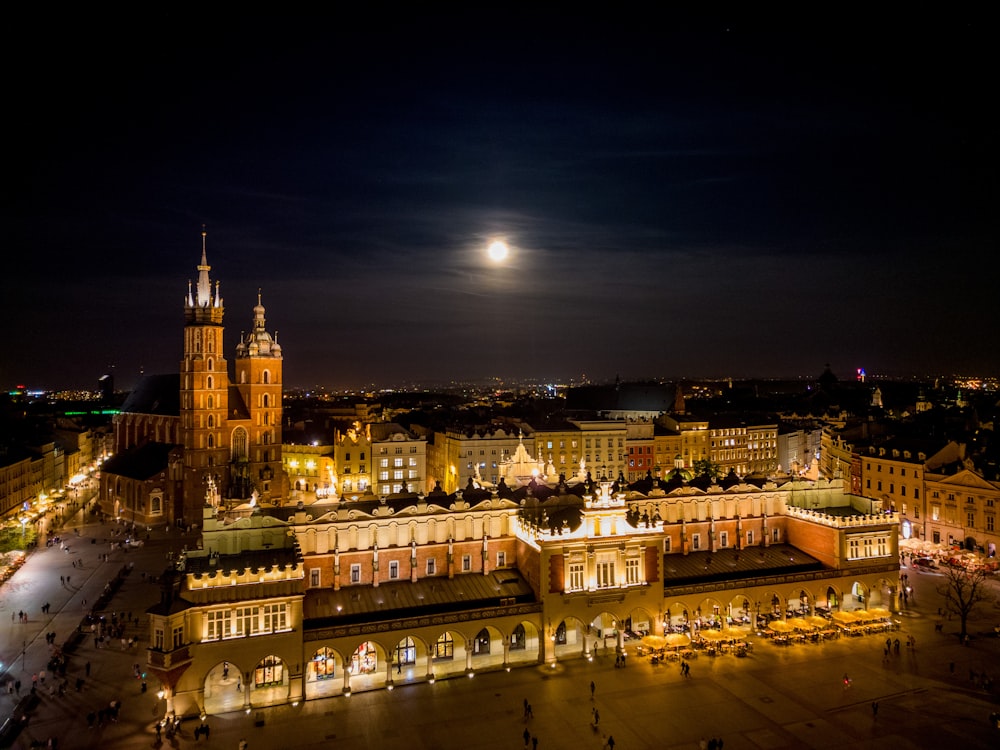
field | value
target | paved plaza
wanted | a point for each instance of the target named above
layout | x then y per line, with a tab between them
777	697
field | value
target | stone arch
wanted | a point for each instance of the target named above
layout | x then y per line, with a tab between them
857	596
323	676
524	643
881	593
569	638
448	654
831	597
640	621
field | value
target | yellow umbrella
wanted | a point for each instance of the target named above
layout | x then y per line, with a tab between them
863	615
654	641
879	612
800	623
716	635
780	626
819	622
678	640
844	617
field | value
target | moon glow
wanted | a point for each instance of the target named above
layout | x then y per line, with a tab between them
498	251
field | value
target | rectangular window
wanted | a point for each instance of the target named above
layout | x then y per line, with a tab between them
936	512
501	559
158	639
696	541
178	636
970	519
632	571
356	573
750	538
397	463
247	622
605	573
667	544
576	576
431	568
275	617
724	539
466	563
314	577
218	624
393	570
989	523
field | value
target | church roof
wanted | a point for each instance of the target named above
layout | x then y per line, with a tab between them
155	394
237	407
143	462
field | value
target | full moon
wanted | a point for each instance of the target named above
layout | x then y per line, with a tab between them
498	251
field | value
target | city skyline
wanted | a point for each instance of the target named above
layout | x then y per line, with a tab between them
678	200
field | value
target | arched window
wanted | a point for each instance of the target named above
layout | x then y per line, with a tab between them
267	376
561	634
322	665
209	382
211	402
239	447
444	648
211	441
406	652
211	364
365	659
517	638
481	645
211	420
270	671
267	400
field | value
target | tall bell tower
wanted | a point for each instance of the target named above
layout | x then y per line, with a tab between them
204	392
258	379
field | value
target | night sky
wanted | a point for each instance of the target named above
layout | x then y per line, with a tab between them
679	199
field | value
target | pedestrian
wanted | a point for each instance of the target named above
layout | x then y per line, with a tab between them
525	708
597	717
527	736
531	714
847	681
592	689
534	743
611	742
874	709
243	745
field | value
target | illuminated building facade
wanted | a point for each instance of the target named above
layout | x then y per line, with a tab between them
325	599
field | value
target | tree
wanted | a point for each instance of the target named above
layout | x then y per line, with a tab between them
963	590
703	467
